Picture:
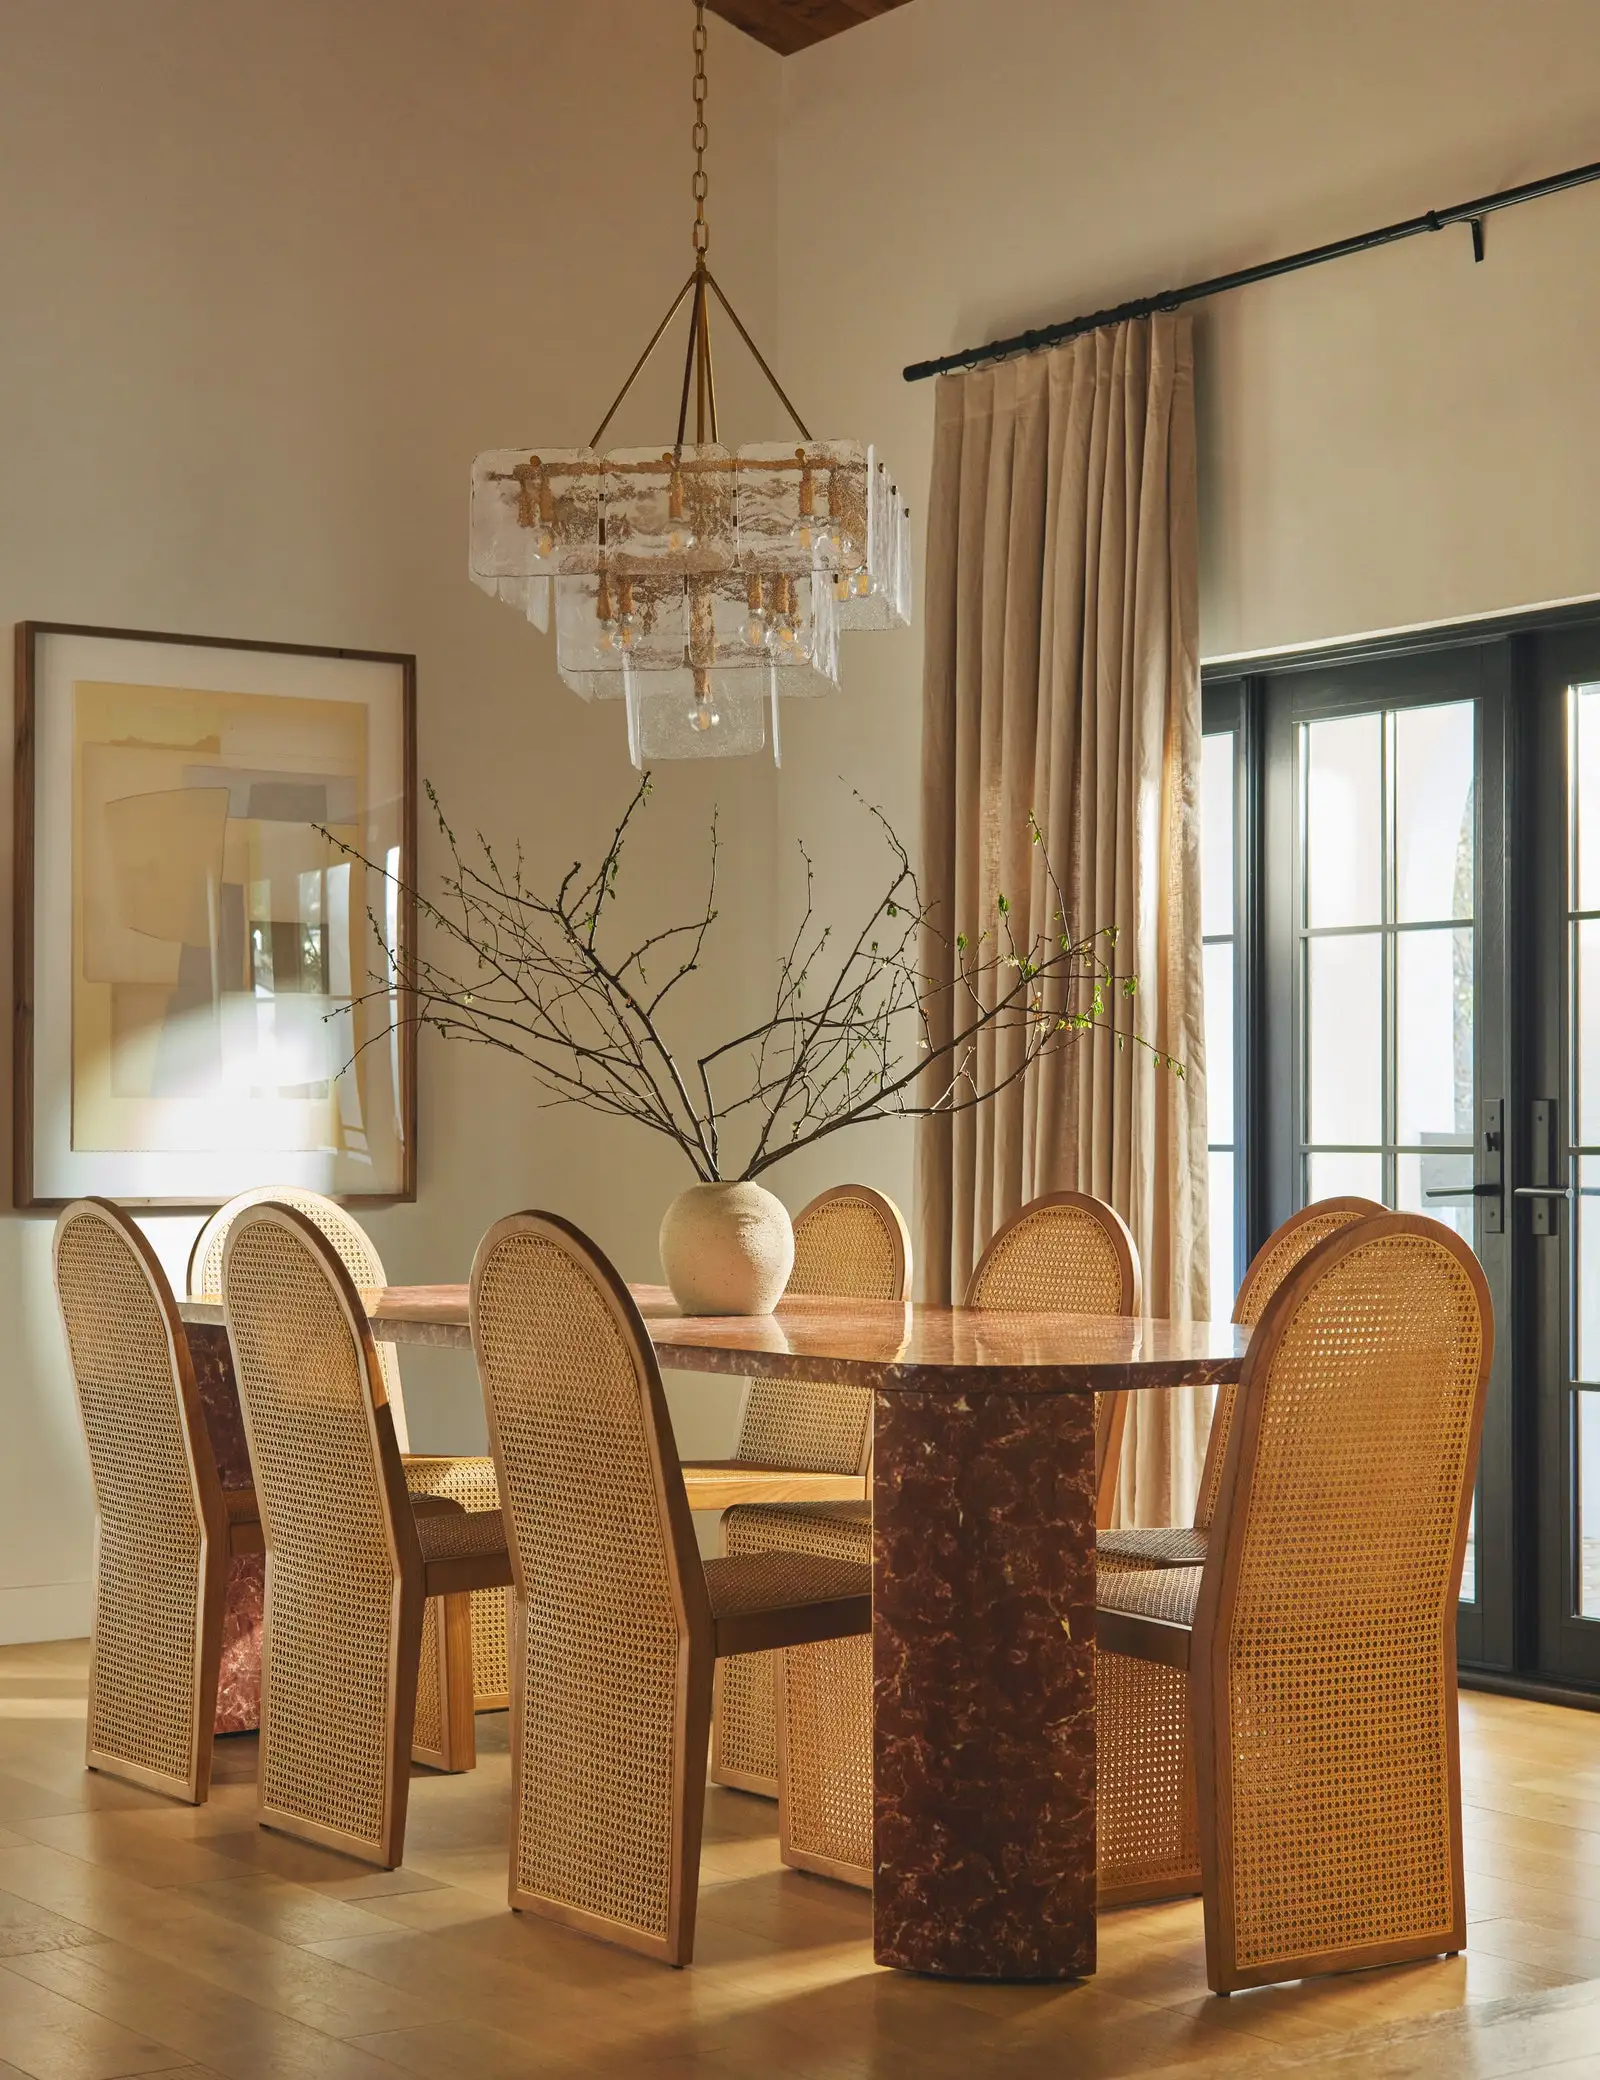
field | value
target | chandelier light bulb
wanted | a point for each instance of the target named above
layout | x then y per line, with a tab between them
703	715
627	619
755	627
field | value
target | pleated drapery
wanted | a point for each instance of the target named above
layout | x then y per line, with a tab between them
1062	679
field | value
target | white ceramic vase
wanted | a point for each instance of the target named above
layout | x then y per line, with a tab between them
727	1249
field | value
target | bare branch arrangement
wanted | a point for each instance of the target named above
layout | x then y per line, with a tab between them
850	1036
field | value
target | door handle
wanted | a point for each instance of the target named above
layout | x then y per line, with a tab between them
1465	1191
1543	1195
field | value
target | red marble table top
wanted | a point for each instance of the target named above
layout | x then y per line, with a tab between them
866	1343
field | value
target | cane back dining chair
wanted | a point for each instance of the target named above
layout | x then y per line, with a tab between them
166	1532
1064	1253
353	1556
850	1243
467	1478
1303	1770
618	1622
812	1443
1183	1545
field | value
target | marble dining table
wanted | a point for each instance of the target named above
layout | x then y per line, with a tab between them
983	1583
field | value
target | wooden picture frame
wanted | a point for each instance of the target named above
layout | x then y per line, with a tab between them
137	886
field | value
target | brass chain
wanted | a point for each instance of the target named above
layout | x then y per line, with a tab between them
701	235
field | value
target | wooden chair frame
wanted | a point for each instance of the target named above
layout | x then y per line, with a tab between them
1111	1412
1201	1650
744	1747
415	1580
1248	1307
225	1529
703	1634
723	1484
467	1479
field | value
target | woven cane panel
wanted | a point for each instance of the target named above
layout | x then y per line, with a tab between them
1057	1260
331	1580
145	1649
1165	1593
1167	1545
746	1693
470	1482
600	1643
841	1248
845	1248
1145	1812
1339	1780
354	1245
828	1738
1273	1262
428	1721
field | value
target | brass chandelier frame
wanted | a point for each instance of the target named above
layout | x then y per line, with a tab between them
699	368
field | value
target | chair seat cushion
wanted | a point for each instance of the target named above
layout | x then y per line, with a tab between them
460	1534
1174	1545
240	1504
1167	1594
777	1581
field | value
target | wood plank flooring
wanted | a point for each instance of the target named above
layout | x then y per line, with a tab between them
139	1936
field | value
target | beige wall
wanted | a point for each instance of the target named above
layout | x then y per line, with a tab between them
275	270
1398	438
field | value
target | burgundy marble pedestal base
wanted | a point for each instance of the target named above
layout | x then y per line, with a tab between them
239	1682
983	1669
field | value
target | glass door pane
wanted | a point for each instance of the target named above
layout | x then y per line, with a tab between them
1582	1165
1387	872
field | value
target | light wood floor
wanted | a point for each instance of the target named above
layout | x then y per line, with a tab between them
138	1936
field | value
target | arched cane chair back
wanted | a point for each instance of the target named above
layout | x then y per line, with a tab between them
1068	1253
1269	1267
356	1249
850	1243
334	1508
608	1577
157	1499
1324	1651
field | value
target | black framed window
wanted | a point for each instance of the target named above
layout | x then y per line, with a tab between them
1411	983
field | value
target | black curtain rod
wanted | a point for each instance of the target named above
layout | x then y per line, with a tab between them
1472	213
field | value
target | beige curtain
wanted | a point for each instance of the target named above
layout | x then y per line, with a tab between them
1062	678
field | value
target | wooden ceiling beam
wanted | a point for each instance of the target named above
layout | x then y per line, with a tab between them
791	25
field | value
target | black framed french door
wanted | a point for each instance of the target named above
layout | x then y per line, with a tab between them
1558	1190
1373	999
1416	1018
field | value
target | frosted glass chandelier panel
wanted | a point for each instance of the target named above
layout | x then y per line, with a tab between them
689	714
698	583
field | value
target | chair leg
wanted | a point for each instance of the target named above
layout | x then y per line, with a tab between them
445	1733
824	1733
153	1661
608	1777
694	1745
338	1701
1330	1817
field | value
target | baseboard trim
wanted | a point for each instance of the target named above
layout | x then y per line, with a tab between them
45	1611
1529	1687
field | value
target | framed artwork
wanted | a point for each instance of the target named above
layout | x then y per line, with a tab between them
205	990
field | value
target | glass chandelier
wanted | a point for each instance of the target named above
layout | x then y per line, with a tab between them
697	583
